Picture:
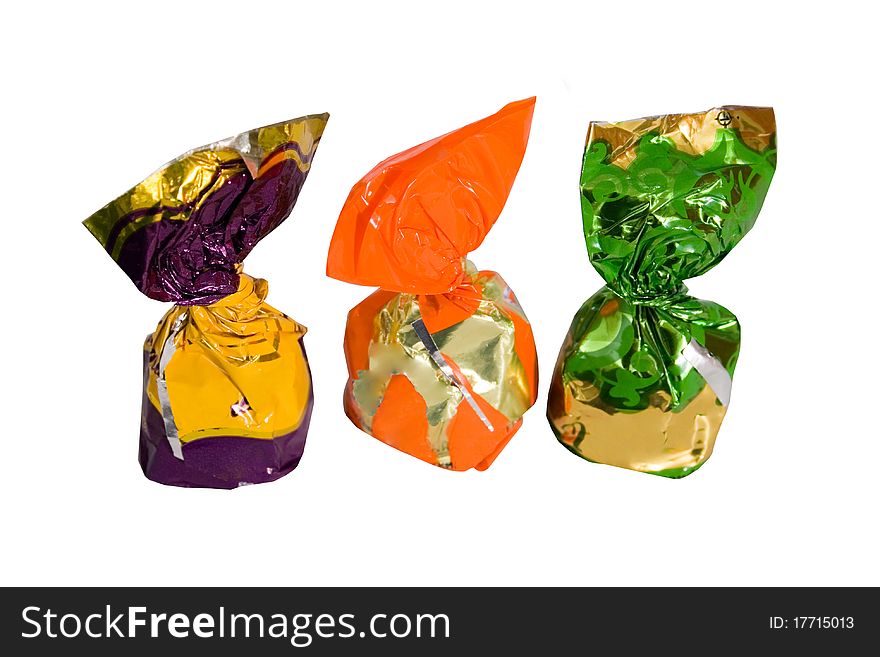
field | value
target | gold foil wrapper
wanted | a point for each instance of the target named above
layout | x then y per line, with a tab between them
469	413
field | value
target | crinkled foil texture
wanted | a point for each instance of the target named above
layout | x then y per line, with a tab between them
409	224
239	389
180	234
227	389
441	358
397	393
643	378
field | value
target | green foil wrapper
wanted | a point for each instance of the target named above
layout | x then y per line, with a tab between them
643	379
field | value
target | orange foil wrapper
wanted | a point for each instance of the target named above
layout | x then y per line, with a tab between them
441	358
227	392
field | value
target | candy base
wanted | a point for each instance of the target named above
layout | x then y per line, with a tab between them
224	462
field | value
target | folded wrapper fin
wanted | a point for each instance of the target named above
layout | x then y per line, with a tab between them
441	359
180	234
410	222
644	375
227	388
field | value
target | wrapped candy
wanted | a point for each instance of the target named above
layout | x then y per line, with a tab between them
227	389
644	376
441	359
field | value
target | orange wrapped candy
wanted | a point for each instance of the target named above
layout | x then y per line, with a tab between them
441	358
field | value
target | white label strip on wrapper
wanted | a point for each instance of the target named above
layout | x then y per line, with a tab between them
168	350
711	369
431	346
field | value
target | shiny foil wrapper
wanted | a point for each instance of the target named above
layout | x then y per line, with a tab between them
227	389
441	358
644	376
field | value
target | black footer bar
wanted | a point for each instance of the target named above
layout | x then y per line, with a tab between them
428	621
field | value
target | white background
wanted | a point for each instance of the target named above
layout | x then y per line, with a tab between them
95	98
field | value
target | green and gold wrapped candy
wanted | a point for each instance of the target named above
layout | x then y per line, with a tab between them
643	379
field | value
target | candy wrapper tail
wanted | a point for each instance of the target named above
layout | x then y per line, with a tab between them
441	358
181	233
643	379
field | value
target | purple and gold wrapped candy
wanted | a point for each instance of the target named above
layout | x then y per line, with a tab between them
227	389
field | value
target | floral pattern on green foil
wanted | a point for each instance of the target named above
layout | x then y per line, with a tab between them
632	352
667	217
